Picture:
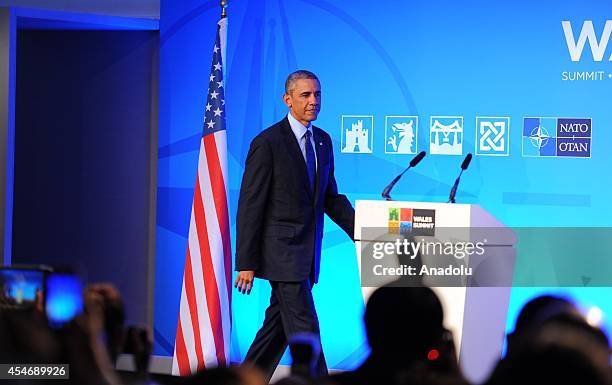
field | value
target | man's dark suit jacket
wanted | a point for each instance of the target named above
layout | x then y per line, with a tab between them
280	221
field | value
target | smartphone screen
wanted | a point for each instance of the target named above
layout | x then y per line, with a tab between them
64	298
20	288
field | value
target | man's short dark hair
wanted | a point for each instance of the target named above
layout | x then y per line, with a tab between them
299	74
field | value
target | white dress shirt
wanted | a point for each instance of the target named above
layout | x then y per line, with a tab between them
299	130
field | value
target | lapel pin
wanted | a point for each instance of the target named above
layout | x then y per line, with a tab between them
320	143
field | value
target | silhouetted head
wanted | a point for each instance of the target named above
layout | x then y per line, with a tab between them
540	309
403	323
557	365
305	350
537	312
237	375
552	343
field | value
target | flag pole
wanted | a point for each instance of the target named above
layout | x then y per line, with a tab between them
223	7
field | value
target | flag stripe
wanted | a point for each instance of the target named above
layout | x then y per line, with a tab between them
210	283
215	232
181	352
218	185
185	322
208	346
221	143
193	310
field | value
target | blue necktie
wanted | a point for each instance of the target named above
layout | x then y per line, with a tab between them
311	164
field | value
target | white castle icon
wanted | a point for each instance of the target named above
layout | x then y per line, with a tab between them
357	138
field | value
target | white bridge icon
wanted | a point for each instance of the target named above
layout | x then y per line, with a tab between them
446	139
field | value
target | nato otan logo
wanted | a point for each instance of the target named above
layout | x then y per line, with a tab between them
401	134
357	134
446	135
557	137
492	136
587	33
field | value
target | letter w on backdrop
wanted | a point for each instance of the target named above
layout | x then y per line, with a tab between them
203	330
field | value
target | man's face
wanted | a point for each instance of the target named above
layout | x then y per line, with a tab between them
304	100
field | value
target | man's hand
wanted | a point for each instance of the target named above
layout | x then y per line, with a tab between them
244	281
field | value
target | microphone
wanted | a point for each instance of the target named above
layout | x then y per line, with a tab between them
419	157
466	162
464	165
413	162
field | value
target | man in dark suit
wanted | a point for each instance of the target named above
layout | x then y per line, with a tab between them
288	185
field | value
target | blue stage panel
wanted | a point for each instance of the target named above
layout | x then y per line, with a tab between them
440	61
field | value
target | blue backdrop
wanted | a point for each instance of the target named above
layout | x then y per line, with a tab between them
395	69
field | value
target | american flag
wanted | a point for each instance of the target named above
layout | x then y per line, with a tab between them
203	330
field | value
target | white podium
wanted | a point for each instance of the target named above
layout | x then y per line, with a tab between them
475	307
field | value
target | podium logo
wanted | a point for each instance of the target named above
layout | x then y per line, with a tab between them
492	136
357	134
587	33
411	222
557	137
446	135
401	134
